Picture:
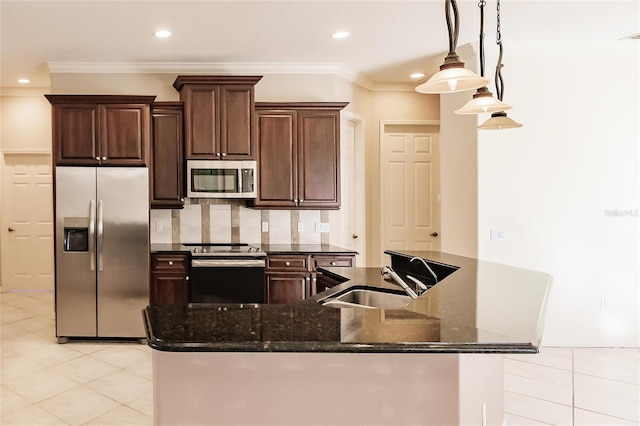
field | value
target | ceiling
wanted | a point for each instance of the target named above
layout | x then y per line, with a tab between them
389	39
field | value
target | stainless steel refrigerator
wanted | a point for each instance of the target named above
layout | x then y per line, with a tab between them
102	251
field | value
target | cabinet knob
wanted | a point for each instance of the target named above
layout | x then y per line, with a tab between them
170	262
295	200
182	200
224	153
354	236
217	154
11	229
301	200
333	263
287	263
186	278
104	158
435	234
98	158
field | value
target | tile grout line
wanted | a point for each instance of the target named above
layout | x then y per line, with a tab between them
573	388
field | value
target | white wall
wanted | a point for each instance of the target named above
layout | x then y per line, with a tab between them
550	186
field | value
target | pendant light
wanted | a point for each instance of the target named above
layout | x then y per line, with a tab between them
453	76
499	119
483	100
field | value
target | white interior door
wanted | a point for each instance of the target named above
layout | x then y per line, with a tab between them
27	234
409	188
350	219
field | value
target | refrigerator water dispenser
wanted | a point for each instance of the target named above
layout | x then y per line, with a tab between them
76	234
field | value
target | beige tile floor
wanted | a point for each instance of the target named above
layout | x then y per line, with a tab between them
44	383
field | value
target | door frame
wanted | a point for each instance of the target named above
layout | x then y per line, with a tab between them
4	225
359	142
381	231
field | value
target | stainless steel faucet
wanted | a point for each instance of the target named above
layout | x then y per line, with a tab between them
426	265
386	270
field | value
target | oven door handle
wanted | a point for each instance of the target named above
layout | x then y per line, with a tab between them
221	263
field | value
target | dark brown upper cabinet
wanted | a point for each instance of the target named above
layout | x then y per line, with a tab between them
167	160
298	155
219	116
101	130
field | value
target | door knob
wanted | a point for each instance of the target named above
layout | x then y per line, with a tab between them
434	234
11	229
355	236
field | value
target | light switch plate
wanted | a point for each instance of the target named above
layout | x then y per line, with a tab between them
265	226
300	226
498	235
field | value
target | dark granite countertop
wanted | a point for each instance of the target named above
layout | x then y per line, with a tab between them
482	307
267	248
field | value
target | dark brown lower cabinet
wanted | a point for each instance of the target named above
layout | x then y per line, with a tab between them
285	288
325	282
169	278
292	277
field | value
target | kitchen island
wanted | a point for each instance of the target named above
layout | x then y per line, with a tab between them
436	361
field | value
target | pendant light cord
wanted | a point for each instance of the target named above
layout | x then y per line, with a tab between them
481	5
499	81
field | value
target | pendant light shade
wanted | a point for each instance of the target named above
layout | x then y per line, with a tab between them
453	76
499	121
483	101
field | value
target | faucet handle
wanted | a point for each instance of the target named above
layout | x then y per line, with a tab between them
419	283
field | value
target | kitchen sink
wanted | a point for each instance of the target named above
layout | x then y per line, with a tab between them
368	298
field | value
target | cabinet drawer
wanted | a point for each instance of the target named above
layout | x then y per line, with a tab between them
288	263
169	262
327	261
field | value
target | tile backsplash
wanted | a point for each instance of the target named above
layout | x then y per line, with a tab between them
216	221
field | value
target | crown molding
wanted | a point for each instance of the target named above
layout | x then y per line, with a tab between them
236	68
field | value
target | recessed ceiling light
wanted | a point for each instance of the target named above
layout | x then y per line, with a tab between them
23	80
340	34
417	75
162	33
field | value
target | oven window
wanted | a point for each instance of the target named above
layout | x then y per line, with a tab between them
227	285
215	180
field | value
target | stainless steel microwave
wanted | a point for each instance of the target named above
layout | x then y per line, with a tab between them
221	179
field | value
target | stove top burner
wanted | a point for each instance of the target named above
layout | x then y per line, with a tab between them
224	249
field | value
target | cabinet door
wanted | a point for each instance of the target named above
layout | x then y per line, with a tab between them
75	130
169	288
236	111
277	156
324	282
169	278
318	159
125	134
201	121
167	165
287	288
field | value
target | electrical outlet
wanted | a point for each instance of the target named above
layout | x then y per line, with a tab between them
322	227
159	227
265	226
498	235
300	226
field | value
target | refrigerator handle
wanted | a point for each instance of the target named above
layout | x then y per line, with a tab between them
92	233
100	235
